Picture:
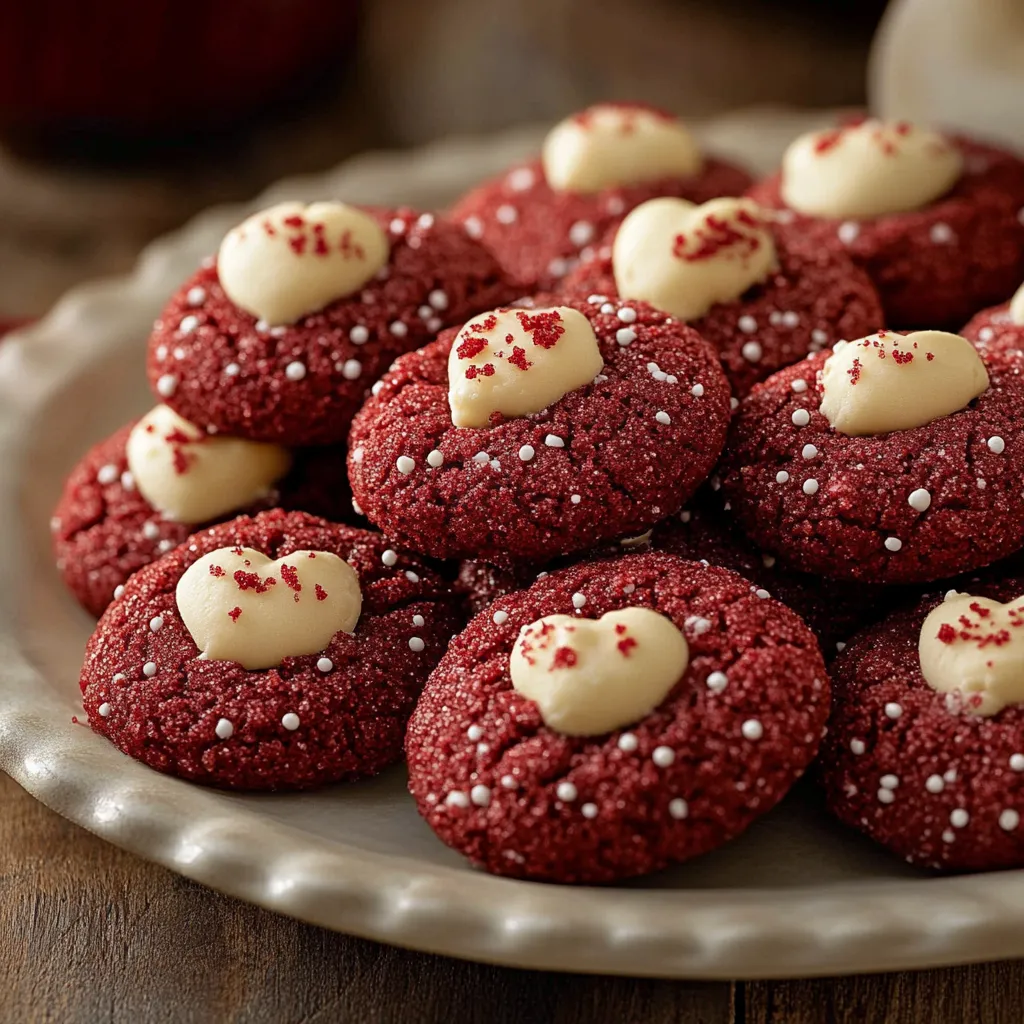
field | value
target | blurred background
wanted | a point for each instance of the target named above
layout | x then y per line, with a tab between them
120	118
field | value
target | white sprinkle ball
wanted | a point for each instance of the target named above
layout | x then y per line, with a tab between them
359	335
800	418
810	486
893	543
1017	762
149	669
156	623
663	756
224	729
893	710
919	499
752	729
663	417
404	464
499	618
566	792
416	644
697	390
167	385
628	742
934	784
295	370
389	557
857	747
480	795
747	324
1009	820
411	576
627	315
104	710
996	445
782	477
717	682
752	351
678	808
527	452
625	336
959	818
809	451
578	600
290	721
325	665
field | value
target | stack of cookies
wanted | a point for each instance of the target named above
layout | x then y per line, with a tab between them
572	495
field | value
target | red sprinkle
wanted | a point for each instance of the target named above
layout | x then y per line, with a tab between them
234	613
546	328
252	581
216	570
564	657
290	574
321	594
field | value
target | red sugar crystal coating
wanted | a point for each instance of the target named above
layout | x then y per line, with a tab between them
945	760
834	609
627	468
992	331
351	718
830	298
621	814
976	510
545	238
260	402
104	532
937	266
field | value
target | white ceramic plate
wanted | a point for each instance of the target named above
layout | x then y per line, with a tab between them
795	896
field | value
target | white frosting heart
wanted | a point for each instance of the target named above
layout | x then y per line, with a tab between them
684	258
868	170
291	260
1017	307
617	144
974	647
241	606
590	676
518	361
191	476
889	381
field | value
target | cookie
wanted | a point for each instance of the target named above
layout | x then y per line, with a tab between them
925	750
999	329
700	265
833	609
540	217
340	638
105	527
280	339
894	459
934	220
532	434
664	710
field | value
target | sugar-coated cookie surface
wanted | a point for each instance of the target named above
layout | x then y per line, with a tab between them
902	507
606	460
834	609
815	297
301	383
911	768
519	798
336	714
103	529
941	263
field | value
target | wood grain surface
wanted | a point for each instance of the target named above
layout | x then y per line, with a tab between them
89	933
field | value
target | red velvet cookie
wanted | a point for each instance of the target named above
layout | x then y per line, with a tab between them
724	743
103	529
338	713
909	765
898	506
834	609
607	459
300	383
996	330
937	262
539	232
815	297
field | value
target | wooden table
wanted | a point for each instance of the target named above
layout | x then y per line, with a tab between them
90	933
